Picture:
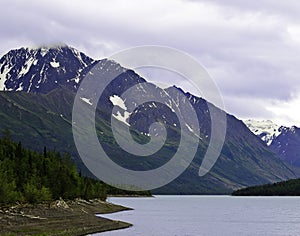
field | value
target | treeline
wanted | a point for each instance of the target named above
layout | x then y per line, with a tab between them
33	177
28	176
285	188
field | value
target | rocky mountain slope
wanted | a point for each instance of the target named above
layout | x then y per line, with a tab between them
37	107
284	141
40	70
266	130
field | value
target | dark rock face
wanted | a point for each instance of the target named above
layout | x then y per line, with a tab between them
284	141
287	145
43	69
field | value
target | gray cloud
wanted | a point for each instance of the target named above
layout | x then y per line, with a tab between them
250	48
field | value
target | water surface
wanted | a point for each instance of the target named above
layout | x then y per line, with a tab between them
208	216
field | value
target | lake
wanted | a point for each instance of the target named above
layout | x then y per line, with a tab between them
208	216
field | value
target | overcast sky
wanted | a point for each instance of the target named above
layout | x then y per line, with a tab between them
250	48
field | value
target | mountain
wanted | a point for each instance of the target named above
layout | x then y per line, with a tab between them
266	130
40	70
287	145
39	112
284	141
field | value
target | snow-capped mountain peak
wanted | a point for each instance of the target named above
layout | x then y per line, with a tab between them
42	69
265	129
282	140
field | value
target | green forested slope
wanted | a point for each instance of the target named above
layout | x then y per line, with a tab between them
29	176
285	188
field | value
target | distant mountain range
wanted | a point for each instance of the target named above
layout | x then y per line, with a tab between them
266	130
284	141
38	89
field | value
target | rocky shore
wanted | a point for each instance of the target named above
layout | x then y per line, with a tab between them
59	218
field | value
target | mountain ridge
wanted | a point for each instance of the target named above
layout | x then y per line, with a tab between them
283	140
266	130
44	116
28	69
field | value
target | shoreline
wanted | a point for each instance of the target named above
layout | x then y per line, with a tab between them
131	196
76	217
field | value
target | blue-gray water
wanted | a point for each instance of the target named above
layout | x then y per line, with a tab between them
208	216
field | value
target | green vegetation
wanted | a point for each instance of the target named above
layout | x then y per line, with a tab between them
286	188
32	177
28	176
46	119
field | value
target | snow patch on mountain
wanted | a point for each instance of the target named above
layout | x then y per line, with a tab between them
87	100
118	101
79	56
122	117
20	87
3	76
265	129
44	51
54	64
26	67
